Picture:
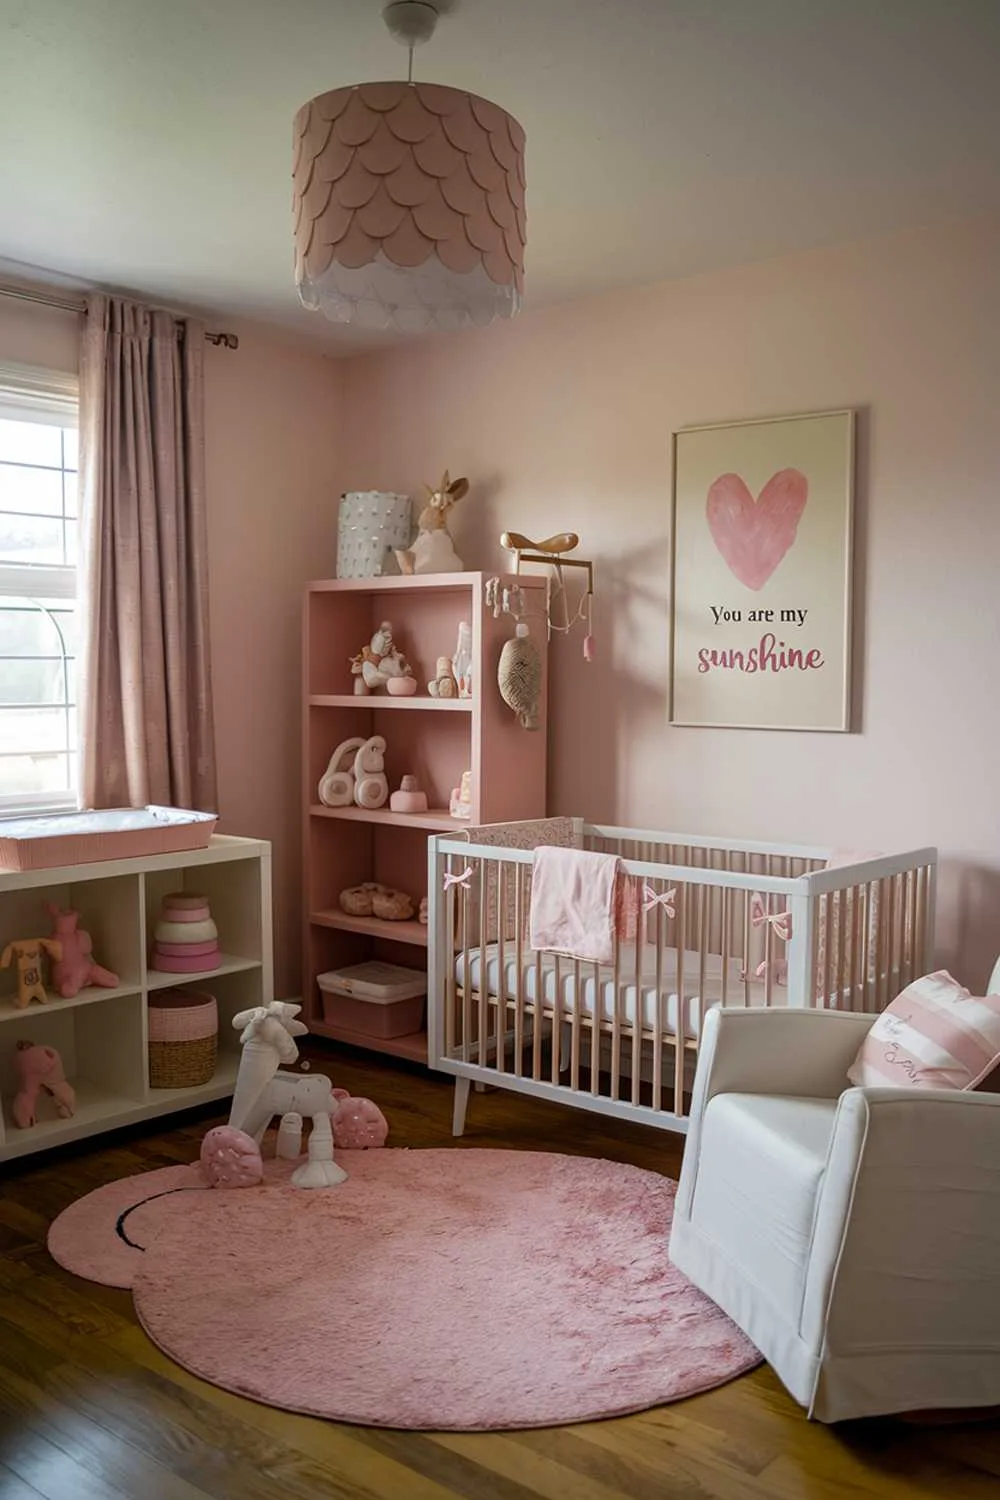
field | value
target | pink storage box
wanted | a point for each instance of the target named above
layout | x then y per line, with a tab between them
374	999
87	837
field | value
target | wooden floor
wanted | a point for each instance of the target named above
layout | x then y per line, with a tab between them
90	1410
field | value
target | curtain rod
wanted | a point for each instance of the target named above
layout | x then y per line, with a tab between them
75	304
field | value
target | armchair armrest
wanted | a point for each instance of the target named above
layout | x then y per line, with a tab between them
907	1230
781	1051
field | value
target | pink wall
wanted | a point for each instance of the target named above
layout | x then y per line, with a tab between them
273	441
562	420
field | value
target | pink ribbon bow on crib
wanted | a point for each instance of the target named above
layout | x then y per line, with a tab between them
779	921
464	880
651	898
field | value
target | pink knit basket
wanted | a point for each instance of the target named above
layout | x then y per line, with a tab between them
183	1038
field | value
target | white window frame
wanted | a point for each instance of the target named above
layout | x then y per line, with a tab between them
28	394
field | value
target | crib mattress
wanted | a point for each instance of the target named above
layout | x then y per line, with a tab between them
597	987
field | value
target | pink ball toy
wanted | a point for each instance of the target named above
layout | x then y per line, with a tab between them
231	1158
358	1125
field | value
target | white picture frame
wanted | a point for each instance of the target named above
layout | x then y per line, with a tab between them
761	573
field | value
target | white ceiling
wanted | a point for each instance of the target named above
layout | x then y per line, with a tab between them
145	144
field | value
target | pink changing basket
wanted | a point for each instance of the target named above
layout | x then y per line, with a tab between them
88	837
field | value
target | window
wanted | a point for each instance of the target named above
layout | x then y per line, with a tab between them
38	521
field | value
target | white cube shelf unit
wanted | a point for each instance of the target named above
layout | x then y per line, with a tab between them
102	1035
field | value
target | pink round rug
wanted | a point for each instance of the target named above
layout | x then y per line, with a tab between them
458	1289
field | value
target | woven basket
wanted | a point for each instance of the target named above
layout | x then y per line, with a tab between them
183	1038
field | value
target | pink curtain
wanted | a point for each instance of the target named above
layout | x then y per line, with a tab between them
145	696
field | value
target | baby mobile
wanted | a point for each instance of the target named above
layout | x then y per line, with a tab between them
519	671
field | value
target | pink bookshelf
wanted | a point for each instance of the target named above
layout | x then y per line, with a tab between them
436	739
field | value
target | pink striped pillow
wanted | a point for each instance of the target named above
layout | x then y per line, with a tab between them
934	1035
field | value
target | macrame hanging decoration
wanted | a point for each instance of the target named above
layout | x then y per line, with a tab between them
519	677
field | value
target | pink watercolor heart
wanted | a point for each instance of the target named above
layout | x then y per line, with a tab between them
753	536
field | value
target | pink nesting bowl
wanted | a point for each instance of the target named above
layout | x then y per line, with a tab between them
401	687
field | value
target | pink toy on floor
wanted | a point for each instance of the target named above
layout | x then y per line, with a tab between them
76	968
40	1068
358	1124
230	1158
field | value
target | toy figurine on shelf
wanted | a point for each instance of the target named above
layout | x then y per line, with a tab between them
443	684
75	967
409	798
381	664
460	805
461	662
27	953
433	551
374	900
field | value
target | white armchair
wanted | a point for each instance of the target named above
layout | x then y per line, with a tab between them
852	1233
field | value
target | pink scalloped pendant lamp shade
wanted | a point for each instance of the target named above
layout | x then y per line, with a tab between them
408	203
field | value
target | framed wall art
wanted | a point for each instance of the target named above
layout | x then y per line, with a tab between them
761	563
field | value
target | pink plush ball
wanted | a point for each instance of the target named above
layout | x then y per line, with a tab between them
231	1158
358	1125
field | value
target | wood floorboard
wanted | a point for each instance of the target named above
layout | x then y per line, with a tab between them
91	1410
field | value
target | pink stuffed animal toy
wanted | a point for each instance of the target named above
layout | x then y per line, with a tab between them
358	1124
76	968
231	1158
40	1068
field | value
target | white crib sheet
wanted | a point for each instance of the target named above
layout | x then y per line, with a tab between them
603	983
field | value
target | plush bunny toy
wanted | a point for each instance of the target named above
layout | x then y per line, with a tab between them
433	551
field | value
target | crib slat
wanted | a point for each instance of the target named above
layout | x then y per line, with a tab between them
659	932
557	1019
679	1027
519	962
595	1032
640	932
501	996
484	983
466	975
539	1023
450	980
616	1023
574	1061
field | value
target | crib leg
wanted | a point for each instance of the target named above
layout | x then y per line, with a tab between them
461	1105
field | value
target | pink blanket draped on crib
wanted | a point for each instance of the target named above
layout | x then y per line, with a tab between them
580	903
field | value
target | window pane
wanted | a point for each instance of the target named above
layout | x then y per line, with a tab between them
30	539
28	630
22	774
37	680
71	543
29	730
31	443
71	448
35	490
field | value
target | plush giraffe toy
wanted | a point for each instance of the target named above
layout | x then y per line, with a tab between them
28	953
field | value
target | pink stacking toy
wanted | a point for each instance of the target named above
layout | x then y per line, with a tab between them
186	940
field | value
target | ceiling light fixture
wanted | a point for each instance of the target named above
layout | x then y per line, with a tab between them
408	199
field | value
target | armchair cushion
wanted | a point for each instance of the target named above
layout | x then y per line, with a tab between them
934	1035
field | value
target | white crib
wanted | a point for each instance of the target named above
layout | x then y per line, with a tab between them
720	922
